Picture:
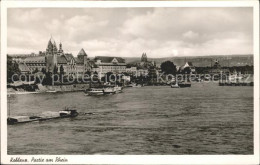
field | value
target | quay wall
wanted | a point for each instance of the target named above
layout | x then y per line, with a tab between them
45	88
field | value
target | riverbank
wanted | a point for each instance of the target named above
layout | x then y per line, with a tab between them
48	88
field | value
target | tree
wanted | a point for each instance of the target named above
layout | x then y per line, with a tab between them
61	73
95	77
88	73
48	79
87	76
125	74
109	76
55	69
152	72
61	70
129	65
12	68
43	70
35	71
168	67
186	70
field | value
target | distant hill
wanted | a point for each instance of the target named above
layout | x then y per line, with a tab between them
202	61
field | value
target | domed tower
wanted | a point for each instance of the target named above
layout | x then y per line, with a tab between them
51	55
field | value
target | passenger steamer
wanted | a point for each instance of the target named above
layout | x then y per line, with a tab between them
105	90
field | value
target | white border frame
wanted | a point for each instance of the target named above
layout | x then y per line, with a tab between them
132	159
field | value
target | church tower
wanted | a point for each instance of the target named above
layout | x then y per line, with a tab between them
82	55
51	56
144	57
60	52
83	58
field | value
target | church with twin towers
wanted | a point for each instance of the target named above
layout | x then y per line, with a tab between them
55	60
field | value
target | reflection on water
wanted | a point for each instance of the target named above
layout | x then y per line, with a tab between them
203	119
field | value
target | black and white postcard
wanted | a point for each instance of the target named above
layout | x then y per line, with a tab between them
130	82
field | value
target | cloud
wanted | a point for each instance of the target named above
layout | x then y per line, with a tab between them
164	23
132	31
22	16
190	35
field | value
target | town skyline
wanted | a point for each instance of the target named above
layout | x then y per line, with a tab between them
128	32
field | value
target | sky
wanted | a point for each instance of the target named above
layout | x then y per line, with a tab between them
128	32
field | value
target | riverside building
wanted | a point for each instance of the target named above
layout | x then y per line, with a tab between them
105	64
54	59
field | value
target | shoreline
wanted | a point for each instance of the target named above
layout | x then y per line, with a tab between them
82	87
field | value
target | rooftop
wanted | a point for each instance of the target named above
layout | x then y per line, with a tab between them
36	59
107	59
61	59
82	53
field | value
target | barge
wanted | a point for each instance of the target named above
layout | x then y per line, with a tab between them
44	116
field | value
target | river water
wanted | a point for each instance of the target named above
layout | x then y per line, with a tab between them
203	119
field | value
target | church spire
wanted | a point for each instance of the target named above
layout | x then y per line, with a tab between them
49	47
54	47
60	52
144	57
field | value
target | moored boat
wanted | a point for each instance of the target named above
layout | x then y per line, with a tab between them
118	89
112	89
104	90
94	91
68	113
134	85
175	86
184	84
109	90
51	91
